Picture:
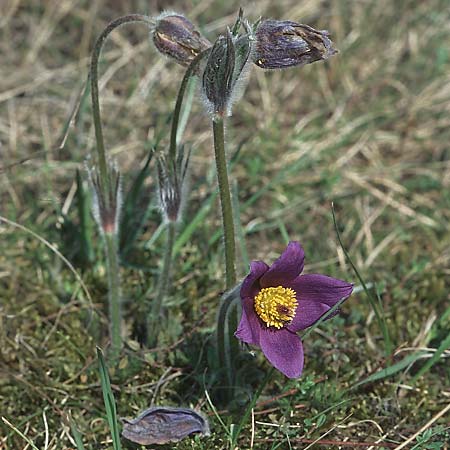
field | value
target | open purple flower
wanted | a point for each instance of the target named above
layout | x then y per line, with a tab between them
277	302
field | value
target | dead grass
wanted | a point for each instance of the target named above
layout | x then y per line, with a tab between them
369	130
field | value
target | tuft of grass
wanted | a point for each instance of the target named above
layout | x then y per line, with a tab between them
367	130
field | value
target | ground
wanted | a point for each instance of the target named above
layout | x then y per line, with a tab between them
367	130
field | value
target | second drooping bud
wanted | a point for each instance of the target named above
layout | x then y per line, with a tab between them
283	43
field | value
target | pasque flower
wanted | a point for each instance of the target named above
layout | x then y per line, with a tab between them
277	302
176	37
283	43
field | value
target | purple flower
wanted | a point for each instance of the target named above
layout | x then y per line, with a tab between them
283	43
176	37
277	302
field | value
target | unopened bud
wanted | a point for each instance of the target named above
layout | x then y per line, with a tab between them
106	206
218	74
283	43
172	185
225	72
176	37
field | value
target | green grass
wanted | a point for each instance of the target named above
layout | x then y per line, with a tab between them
368	131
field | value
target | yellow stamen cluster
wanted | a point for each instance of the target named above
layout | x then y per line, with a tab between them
276	306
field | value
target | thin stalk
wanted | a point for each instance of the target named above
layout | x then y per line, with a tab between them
114	296
105	182
154	320
225	201
227	345
190	71
223	347
93	74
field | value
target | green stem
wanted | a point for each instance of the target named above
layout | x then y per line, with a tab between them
227	346
225	201
105	183
93	74
115	316
154	320
223	347
190	71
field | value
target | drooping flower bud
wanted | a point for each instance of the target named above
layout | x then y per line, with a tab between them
106	209
283	43
225	72
176	37
172	185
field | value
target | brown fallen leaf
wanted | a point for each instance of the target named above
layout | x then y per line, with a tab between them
160	425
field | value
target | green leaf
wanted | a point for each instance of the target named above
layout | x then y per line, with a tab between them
108	399
391	370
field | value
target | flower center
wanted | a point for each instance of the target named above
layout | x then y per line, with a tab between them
276	306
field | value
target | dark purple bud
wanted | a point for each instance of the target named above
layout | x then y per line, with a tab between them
161	425
282	43
176	37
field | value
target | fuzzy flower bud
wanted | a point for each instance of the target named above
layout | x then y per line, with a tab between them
226	71
106	209
176	37
172	185
283	43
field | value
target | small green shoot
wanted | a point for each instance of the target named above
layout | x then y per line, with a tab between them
108	398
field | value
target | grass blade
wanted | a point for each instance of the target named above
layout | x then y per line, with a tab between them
445	345
108	398
76	435
391	370
373	303
195	222
134	214
17	431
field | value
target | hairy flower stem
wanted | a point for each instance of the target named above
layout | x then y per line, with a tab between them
190	71
154	319
115	316
93	74
225	201
111	246
226	344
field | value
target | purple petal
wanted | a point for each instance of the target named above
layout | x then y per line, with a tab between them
288	266
249	327
316	294
250	286
284	351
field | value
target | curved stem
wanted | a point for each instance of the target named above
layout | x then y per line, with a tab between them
223	345
93	74
111	244
190	71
